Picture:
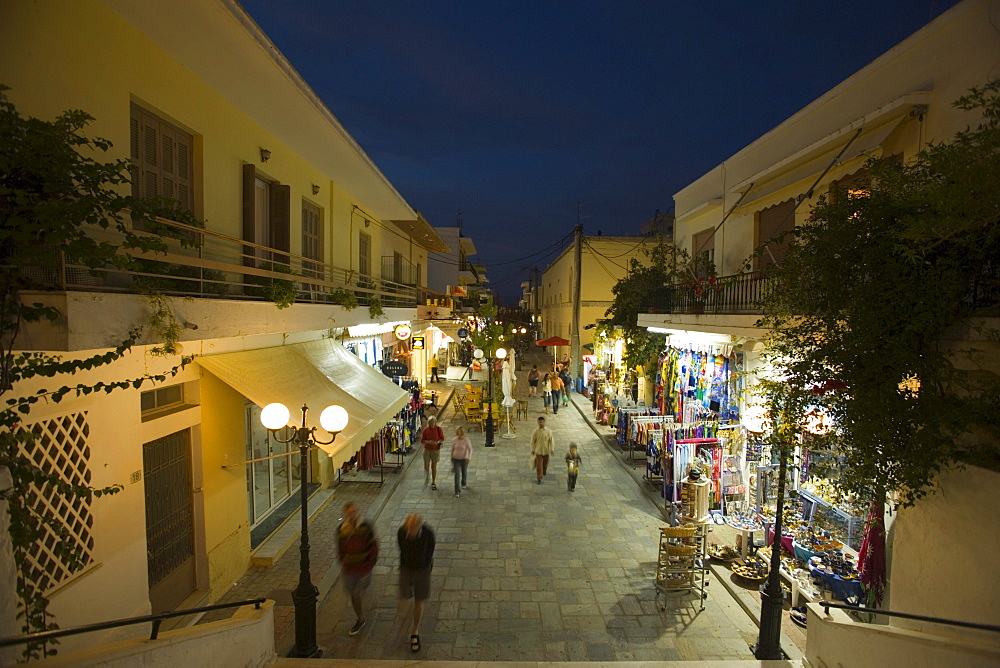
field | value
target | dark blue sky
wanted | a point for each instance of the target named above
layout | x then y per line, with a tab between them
512	112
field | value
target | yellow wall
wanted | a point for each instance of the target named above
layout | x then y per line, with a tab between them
90	58
603	260
227	525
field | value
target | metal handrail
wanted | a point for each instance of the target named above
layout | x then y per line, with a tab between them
906	615
128	621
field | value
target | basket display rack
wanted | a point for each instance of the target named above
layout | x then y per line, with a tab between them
681	566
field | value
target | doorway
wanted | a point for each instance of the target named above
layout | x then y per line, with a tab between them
166	464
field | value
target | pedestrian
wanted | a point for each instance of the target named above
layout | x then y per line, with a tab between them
557	387
461	453
533	377
431	438
357	550
546	391
573	461
542	445
416	559
564	362
567	384
434	369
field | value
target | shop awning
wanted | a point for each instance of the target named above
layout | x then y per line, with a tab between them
318	374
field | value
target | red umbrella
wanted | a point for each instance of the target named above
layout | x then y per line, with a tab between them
553	341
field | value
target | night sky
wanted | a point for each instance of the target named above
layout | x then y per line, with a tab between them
513	112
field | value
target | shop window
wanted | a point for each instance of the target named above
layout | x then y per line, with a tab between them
162	159
773	222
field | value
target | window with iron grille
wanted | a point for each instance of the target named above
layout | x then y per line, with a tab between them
162	159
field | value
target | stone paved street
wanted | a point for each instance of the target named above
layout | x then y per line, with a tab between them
530	572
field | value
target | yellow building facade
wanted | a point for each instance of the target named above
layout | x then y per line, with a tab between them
214	116
894	106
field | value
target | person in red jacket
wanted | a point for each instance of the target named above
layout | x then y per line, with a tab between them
357	550
431	437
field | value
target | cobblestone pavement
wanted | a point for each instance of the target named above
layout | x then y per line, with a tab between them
523	572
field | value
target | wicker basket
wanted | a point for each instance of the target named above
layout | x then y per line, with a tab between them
682	550
679	532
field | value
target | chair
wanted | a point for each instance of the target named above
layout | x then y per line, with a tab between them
522	410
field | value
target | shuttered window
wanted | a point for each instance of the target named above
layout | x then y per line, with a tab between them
162	159
704	250
771	222
266	218
365	255
312	237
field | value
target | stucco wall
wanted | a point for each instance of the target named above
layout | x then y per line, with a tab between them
92	59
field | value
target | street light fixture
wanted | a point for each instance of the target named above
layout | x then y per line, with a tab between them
500	353
333	419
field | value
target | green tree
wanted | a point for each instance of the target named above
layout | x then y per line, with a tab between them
644	281
866	306
54	196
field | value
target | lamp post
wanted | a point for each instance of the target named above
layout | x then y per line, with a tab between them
499	353
333	419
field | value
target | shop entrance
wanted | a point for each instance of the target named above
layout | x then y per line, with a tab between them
271	481
166	464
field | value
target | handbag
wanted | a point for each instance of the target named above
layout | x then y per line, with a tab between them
534	464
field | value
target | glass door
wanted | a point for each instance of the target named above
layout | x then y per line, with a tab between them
272	479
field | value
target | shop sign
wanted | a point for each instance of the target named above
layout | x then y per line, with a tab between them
402	332
418	343
394	369
463	333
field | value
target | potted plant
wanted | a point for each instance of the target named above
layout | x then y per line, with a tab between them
701	279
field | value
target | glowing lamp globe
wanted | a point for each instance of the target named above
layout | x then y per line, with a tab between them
501	353
478	353
274	416
333	419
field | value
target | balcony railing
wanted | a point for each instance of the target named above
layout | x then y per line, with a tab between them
737	294
224	267
399	270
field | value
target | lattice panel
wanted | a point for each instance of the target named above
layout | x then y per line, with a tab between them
61	447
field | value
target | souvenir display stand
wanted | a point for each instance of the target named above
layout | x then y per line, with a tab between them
394	441
680	565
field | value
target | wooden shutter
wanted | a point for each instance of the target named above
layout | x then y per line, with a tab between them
772	222
162	157
280	233
312	237
249	184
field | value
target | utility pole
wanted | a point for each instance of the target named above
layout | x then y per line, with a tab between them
574	338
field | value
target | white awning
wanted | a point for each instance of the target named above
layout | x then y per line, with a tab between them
317	374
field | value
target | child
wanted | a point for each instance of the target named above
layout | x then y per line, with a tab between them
573	461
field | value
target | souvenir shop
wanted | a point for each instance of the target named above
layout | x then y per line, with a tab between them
387	447
612	386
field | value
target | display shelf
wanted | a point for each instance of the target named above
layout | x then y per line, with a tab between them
680	566
841	524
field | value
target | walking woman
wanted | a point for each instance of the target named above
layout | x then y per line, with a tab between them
461	453
546	392
431	438
533	377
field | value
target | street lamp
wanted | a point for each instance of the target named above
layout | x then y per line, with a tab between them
333	419
500	353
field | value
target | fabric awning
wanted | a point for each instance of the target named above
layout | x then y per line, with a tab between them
318	374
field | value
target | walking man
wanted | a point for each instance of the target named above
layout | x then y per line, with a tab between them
357	550
542	445
434	369
557	387
416	559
